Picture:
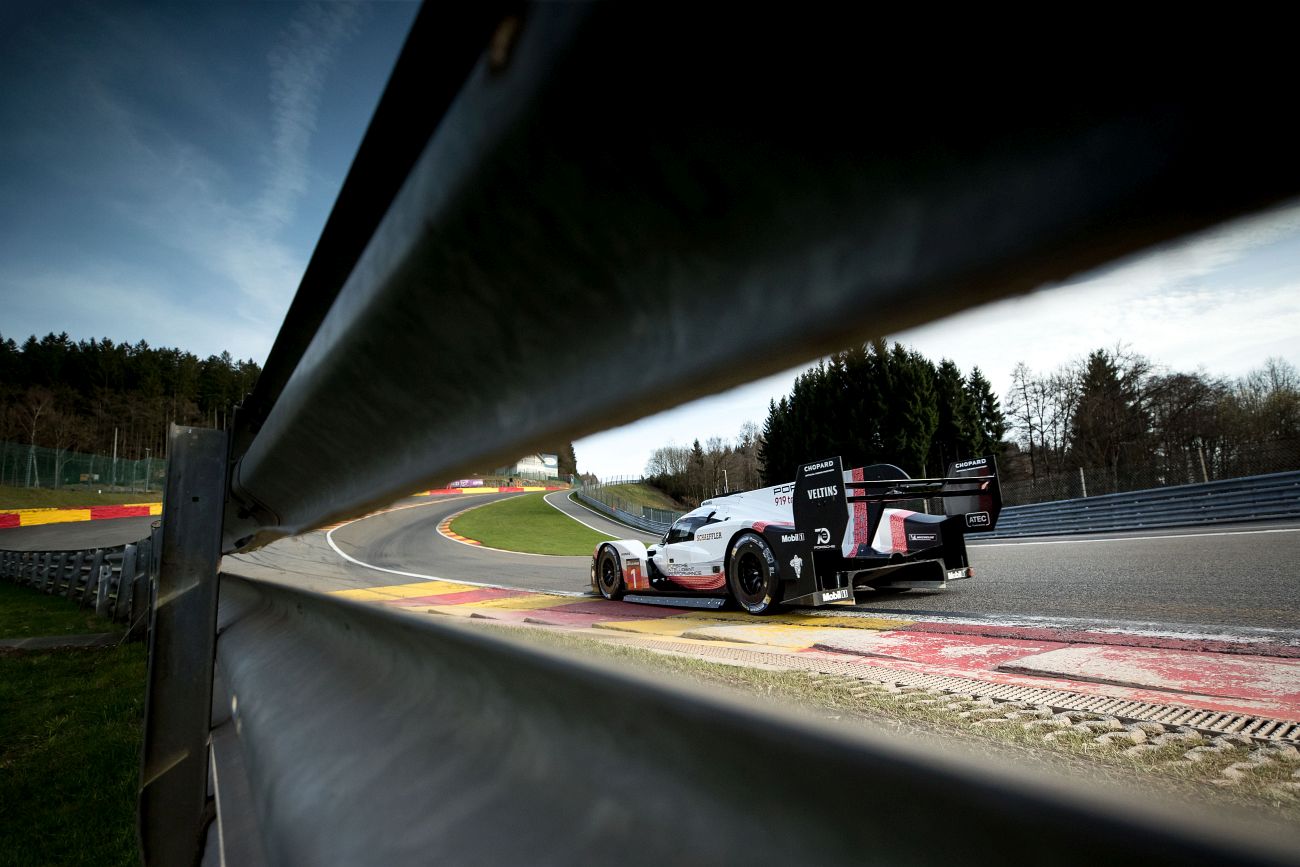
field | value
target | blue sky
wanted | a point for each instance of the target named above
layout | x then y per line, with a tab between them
165	170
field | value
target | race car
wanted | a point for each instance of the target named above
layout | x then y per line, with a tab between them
815	541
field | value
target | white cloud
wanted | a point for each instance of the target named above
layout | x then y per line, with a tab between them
299	63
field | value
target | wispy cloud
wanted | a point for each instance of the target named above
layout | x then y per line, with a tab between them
1193	304
299	63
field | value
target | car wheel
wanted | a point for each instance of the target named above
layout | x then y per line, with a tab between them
753	576
609	574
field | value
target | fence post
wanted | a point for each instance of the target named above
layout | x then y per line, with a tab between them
103	588
92	578
1083	483
52	578
72	573
142	587
125	585
174	775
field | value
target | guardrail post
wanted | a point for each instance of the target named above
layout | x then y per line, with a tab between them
92	578
173	784
125	585
104	589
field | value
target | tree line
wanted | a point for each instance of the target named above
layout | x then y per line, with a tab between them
880	404
1118	410
85	395
1124	419
870	404
692	474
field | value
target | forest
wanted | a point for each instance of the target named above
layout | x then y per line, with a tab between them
87	395
1116	420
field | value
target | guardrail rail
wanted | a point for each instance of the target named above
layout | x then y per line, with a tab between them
1272	497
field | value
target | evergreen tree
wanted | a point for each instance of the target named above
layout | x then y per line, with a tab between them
1109	420
992	424
957	433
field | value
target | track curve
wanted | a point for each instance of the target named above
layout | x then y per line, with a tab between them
76	535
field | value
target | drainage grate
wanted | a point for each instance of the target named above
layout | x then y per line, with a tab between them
1208	722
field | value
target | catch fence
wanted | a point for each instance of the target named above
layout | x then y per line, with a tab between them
1193	466
28	466
611	494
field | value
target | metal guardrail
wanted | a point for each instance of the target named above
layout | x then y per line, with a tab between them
1255	498
116	581
708	209
641	522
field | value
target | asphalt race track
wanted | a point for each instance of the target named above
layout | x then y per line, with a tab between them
1238	577
1243	576
76	535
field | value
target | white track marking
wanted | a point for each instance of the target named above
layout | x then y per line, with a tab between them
978	544
546	498
329	539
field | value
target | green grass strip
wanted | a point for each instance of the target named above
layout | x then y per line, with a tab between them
25	613
525	523
69	498
70	729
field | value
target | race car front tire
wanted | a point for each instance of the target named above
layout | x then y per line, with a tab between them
753	575
609	574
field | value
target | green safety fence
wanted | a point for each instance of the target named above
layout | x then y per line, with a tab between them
28	466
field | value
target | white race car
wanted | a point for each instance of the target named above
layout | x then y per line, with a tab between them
815	541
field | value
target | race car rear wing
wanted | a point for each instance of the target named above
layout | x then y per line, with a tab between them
970	488
824	494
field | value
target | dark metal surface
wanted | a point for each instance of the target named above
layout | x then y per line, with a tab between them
380	738
631	213
182	634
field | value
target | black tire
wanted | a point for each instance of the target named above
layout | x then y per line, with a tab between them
753	575
609	574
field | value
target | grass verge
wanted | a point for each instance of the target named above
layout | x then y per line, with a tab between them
69	498
526	523
1162	774
70	729
25	613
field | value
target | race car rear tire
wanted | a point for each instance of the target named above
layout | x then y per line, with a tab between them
609	574
753	575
